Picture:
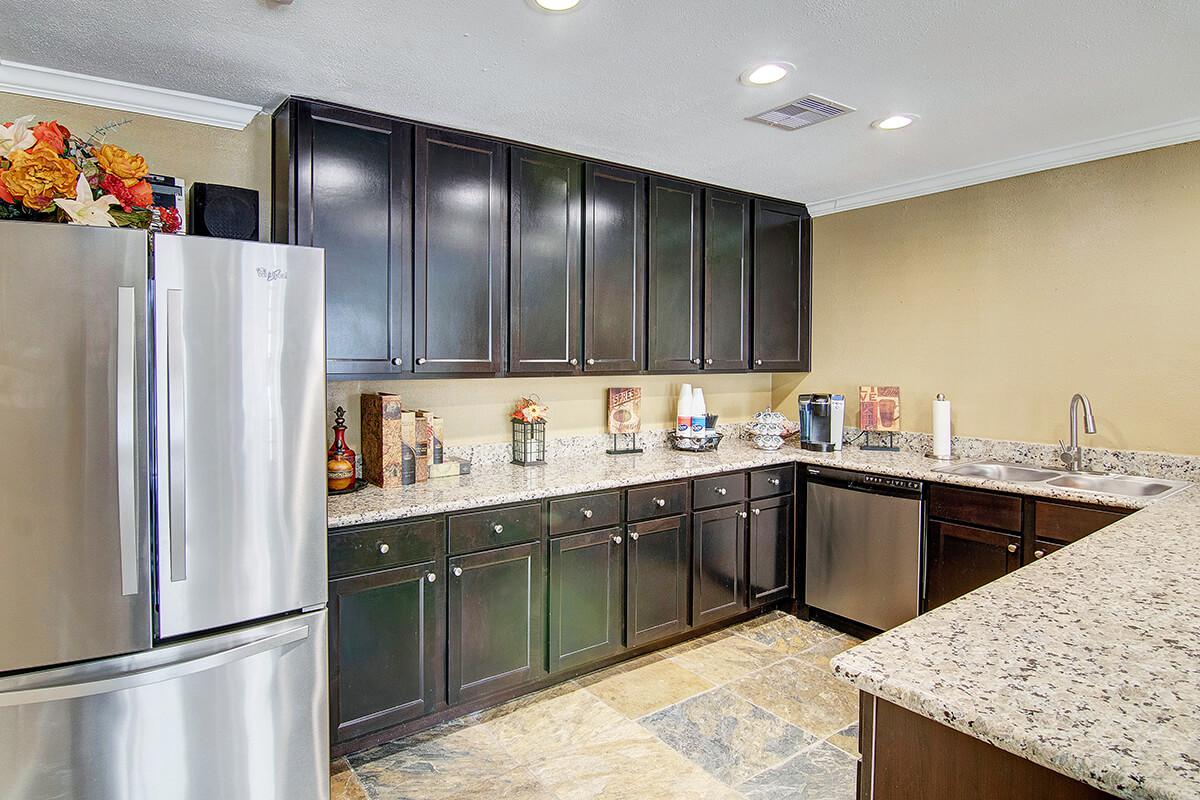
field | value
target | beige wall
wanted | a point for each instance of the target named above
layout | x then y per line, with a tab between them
476	410
179	149
1011	296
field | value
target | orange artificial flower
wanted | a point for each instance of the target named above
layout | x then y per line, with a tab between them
127	166
52	134
5	196
141	194
38	176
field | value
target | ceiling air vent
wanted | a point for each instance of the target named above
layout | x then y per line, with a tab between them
808	110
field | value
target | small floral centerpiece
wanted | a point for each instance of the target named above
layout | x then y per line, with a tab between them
49	174
529	431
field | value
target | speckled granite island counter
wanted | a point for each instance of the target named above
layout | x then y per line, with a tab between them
1086	662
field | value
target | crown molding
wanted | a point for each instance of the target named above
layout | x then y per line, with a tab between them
1146	139
92	91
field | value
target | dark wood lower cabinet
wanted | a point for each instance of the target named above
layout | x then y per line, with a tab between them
587	584
657	580
963	558
718	563
386	648
770	548
495	621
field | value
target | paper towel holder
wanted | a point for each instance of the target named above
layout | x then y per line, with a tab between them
952	456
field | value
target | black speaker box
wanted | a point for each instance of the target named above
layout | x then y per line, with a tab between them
228	212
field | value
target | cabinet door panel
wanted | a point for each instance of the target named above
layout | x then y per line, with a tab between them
587	580
614	312
962	558
386	648
545	206
657	585
495	623
770	550
459	244
718	564
674	333
782	296
354	199
726	281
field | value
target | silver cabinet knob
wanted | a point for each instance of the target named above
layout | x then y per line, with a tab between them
633	535
574	362
591	361
616	539
757	511
1039	553
498	528
721	490
758	362
773	481
708	361
660	502
587	513
1012	548
457	572
397	361
742	514
431	577
383	548
421	360
696	361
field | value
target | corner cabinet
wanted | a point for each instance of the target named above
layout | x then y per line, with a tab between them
782	299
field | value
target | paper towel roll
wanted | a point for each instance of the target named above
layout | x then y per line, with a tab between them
941	427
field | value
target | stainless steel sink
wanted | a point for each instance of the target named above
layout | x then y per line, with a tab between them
1127	485
1000	471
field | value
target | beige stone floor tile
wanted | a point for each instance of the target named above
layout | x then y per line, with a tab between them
699	641
618	669
727	659
343	783
787	635
432	768
819	654
648	688
846	740
516	784
806	696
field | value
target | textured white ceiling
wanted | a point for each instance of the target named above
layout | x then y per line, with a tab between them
654	82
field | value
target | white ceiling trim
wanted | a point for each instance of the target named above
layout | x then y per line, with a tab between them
1146	139
76	88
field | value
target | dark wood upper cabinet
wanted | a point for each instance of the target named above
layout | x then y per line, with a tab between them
674	330
587	603
718	563
545	246
656	580
727	236
614	264
459	265
782	297
349	191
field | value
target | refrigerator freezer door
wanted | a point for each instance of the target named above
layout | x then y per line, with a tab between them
240	380
74	525
238	715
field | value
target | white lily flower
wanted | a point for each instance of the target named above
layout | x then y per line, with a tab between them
18	136
83	210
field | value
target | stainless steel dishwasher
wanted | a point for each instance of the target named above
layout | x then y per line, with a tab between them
863	546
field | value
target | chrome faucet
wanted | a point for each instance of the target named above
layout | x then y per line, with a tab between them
1072	456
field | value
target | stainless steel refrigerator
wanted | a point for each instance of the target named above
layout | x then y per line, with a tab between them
162	517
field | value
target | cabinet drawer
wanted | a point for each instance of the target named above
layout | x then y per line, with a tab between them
719	491
663	500
770	482
585	512
1064	524
990	509
392	544
483	530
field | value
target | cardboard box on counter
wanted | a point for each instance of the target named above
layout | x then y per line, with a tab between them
389	441
420	444
451	466
437	440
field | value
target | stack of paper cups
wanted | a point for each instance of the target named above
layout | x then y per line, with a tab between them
941	427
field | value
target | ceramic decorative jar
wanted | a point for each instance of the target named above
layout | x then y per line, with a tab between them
767	430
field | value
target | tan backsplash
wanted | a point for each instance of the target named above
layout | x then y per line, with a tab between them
1011	296
476	410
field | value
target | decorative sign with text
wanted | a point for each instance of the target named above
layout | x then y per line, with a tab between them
879	408
625	410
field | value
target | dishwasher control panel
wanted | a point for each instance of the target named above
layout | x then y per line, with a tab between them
895	483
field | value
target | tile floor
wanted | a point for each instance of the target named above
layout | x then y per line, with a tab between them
748	712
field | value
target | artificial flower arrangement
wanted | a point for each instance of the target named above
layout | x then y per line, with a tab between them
49	174
530	409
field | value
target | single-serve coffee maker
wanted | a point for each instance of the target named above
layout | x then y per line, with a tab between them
821	419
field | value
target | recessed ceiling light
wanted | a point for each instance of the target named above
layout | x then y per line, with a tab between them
765	74
555	6
895	122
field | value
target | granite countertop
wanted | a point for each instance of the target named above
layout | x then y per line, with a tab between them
1086	662
507	483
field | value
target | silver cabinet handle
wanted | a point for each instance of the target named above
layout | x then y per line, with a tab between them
660	502
397	361
633	535
1012	548
708	361
757	511
574	362
498	528
384	548
127	437
742	514
696	361
587	513
591	362
457	572
177	434
721	490
758	362
1039	553
773	481
421	360
616	539
431	577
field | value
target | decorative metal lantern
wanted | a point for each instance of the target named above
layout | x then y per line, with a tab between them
528	443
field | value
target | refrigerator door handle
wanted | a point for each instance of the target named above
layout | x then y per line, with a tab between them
176	432
145	677
126	426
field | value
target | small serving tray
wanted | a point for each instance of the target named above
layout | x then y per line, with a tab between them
689	445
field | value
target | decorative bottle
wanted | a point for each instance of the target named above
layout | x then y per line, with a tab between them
339	467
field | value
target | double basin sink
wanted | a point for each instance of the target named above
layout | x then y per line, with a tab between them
1124	485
